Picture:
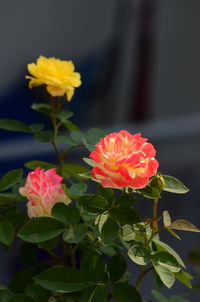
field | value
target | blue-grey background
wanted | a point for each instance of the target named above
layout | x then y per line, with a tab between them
140	68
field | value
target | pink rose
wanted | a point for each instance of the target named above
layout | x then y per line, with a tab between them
124	160
43	190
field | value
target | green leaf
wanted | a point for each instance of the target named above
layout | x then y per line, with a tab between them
70	126
166	219
21	279
13	125
93	136
73	171
28	253
38	163
172	233
128	233
159	296
126	200
7	232
139	255
5	295
77	136
61	278
107	250
66	214
107	193
124	292
88	217
36	127
44	108
177	298
116	267
109	231
89	161
184	225
93	203
92	265
64	114
99	202
15	217
161	246
184	278
77	189
95	294
174	185
49	244
16	187
149	192
21	298
166	259
85	176
64	139
10	179
165	274
6	198
157	281
37	292
40	229
75	233
124	215
44	136
100	220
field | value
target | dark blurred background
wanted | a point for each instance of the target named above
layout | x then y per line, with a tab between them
140	67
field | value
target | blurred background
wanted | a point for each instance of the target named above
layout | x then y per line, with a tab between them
140	67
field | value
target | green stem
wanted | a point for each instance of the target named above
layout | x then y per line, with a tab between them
59	156
143	273
65	251
66	152
55	132
155	209
90	237
151	238
111	206
154	226
73	255
50	252
61	164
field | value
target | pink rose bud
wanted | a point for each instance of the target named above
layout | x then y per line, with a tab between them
43	190
124	160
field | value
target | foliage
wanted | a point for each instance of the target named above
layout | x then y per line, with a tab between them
89	240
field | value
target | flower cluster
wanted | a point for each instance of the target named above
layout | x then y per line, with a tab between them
120	159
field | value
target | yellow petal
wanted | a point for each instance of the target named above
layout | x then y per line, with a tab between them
55	91
69	94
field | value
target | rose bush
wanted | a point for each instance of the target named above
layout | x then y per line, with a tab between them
86	236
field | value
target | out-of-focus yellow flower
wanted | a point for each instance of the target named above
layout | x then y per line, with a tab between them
58	75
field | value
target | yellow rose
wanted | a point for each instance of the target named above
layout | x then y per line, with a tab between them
58	75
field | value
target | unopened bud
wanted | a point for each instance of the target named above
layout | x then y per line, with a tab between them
158	182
